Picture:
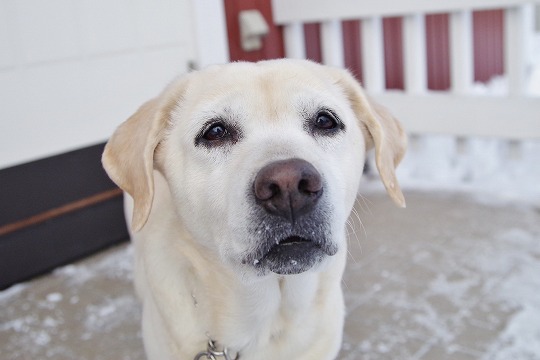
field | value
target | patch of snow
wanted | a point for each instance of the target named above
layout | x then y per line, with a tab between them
455	289
365	346
520	339
521	336
382	348
50	322
486	168
496	86
109	314
41	338
117	265
12	291
54	297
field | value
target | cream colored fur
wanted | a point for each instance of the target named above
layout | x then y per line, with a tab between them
191	212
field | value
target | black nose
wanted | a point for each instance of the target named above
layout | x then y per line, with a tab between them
288	188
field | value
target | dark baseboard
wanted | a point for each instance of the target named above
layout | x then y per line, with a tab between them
54	211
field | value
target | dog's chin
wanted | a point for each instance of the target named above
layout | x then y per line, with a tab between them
293	255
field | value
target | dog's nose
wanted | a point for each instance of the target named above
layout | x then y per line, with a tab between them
288	188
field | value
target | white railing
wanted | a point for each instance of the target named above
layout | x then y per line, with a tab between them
515	116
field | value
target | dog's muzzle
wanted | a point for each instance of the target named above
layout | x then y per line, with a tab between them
293	230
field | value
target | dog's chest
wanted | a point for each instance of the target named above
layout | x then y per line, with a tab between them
277	318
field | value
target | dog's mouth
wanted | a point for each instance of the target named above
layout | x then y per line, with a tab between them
292	255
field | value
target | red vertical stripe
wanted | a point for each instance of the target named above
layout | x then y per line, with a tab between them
352	47
312	37
438	52
393	52
488	44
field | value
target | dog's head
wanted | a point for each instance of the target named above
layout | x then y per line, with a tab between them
263	160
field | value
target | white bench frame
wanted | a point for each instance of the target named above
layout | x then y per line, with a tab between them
514	116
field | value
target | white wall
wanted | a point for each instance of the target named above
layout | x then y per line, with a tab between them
72	70
210	30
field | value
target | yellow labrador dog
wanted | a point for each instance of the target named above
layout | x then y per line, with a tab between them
242	178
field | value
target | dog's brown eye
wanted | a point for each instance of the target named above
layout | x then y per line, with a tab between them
325	121
215	132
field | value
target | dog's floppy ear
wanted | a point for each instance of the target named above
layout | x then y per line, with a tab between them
384	133
128	157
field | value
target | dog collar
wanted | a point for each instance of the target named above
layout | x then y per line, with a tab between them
213	353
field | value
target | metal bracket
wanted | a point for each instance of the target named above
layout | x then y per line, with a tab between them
253	28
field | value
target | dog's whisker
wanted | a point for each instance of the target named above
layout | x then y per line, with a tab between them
355	213
345	283
349	236
364	204
352	256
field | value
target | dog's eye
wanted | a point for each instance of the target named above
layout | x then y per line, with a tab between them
215	132
325	121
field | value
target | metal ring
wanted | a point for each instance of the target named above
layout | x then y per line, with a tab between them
212	353
208	356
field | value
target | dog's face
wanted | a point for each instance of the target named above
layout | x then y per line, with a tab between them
263	160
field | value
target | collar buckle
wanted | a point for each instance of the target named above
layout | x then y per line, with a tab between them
212	353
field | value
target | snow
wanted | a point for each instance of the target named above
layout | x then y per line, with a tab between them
12	291
521	337
487	168
73	310
54	297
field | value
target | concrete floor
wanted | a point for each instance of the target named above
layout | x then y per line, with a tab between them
446	278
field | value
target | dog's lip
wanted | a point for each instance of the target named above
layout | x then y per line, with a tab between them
284	242
292	255
289	240
292	240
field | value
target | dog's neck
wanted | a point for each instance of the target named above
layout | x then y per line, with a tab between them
240	314
244	316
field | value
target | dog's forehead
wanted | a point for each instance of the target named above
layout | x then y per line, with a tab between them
267	73
272	84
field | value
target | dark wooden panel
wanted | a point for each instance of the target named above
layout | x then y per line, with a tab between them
54	211
38	249
37	186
